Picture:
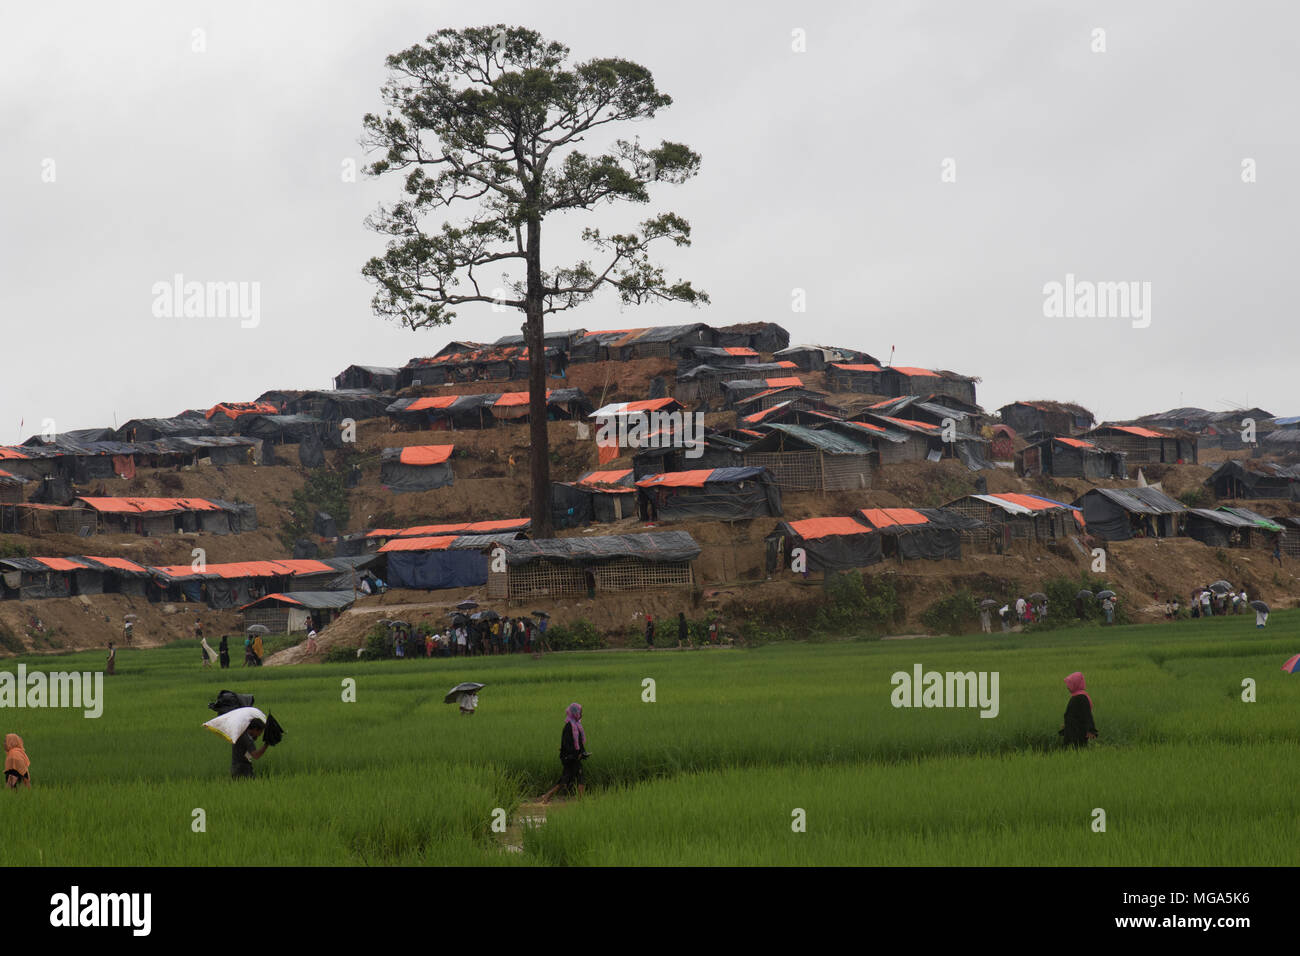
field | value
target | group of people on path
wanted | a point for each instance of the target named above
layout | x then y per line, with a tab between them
520	635
683	631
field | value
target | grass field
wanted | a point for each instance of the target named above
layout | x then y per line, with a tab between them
712	772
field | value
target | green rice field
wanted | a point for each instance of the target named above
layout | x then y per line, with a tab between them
715	771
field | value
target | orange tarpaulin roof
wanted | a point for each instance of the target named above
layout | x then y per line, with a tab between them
811	528
433	401
472	527
514	398
425	454
10	453
1026	501
889	517
908	370
788	382
122	564
912	422
249	569
649	404
1076	442
235	409
62	564
149	505
1140	432
440	543
740	350
757	417
786	363
677	479
605	477
857	368
867	425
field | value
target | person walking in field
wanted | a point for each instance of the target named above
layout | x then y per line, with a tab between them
209	655
573	751
650	631
17	765
223	651
683	633
1078	727
110	666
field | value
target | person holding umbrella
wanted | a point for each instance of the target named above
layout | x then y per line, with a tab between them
1261	612
1078	726
466	695
573	751
986	615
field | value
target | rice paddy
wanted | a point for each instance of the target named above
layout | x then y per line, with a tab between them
783	755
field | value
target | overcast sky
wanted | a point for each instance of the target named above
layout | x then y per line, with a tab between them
822	170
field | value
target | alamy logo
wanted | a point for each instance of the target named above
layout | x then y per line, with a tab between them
953	689
75	908
179	299
1084	299
652	430
83	690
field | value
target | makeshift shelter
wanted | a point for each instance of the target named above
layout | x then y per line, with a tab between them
596	496
29	579
285	429
721	356
442	561
556	567
225	415
713	451
1010	517
158	516
667	341
36	519
293	611
443	412
562	404
828	544
642	424
235	584
1062	457
1231	528
334	406
912	533
1144	445
801	459
377	377
780	392
601	346
711	494
416	467
11	487
705	383
1252	478
815	358
1058	418
862	377
1284	442
760	336
1115	514
150	429
494	526
1003	444
905	380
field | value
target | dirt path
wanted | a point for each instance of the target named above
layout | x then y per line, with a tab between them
531	813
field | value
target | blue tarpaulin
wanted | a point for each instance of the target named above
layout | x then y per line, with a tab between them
432	570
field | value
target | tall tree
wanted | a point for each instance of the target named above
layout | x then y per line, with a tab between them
492	116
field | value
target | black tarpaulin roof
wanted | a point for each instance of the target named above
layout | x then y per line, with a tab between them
657	547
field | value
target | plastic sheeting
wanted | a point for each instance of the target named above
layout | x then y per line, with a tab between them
659	547
395	476
433	570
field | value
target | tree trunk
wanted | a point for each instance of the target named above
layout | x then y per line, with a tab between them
539	454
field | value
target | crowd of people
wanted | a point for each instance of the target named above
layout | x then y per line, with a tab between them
472	638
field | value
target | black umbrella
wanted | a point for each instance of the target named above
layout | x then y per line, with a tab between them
273	733
467	604
1220	587
398	624
540	614
988	603
1038	596
468	687
459	620
1085	593
1259	606
1102	595
258	629
489	615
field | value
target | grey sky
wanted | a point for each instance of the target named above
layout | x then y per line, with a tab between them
821	171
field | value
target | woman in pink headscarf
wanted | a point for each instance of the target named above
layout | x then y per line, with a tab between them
573	751
1078	727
